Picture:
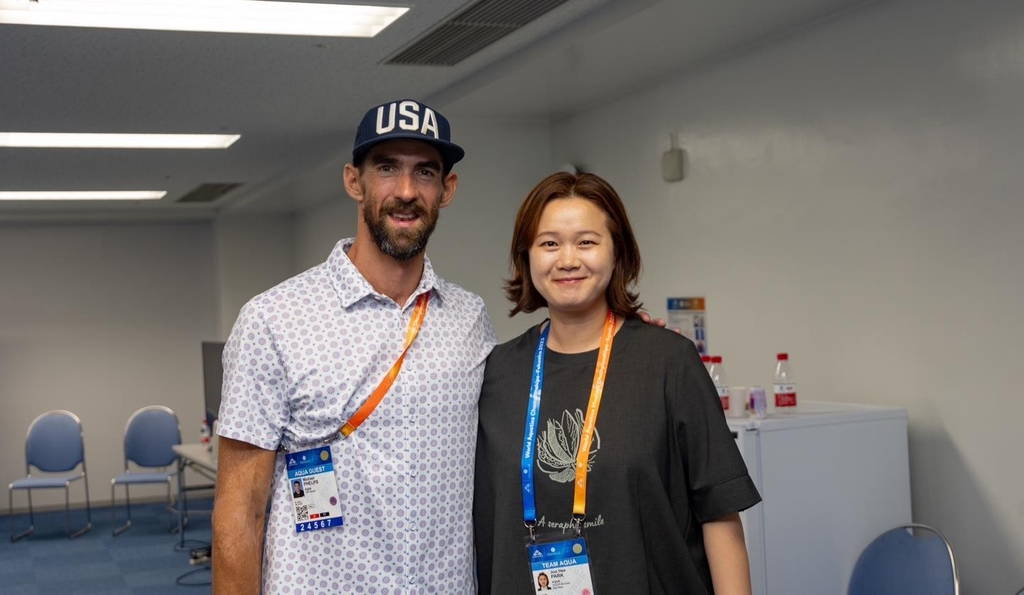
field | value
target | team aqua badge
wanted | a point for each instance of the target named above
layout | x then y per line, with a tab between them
560	566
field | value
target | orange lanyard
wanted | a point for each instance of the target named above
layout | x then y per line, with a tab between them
389	379
579	507
579	500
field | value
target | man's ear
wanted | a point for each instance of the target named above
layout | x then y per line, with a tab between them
352	185
451	184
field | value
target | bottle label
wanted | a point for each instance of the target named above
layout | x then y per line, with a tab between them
758	403
723	394
785	395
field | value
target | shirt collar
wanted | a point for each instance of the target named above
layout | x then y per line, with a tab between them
352	286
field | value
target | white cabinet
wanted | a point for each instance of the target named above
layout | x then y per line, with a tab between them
832	477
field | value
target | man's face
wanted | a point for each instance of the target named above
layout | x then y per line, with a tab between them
403	189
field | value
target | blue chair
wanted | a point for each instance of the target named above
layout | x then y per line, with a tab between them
54	445
911	559
149	436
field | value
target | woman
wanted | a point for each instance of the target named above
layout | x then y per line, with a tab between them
662	479
542	582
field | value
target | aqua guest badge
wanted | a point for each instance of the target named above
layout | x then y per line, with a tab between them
314	490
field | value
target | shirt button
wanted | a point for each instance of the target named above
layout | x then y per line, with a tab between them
412	580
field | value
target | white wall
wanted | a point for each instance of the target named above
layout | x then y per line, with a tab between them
318	229
853	197
101	320
504	159
254	253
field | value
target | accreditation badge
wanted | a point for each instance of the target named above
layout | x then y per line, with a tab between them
560	565
314	490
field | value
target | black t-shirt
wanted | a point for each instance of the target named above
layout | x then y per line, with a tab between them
663	461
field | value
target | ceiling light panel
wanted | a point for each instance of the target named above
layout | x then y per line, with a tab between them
87	195
116	141
221	16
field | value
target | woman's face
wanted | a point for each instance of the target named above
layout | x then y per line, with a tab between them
572	256
542	580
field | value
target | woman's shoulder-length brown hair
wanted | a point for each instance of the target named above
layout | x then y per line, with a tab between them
519	287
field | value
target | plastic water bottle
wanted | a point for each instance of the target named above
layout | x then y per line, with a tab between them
204	436
785	386
718	376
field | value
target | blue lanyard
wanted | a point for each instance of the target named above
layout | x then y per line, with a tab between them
579	506
530	436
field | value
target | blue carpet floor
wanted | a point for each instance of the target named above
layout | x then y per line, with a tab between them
142	560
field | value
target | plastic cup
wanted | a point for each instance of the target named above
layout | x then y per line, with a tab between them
738	396
758	402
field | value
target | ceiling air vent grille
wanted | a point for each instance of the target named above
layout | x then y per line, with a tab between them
471	30
207	193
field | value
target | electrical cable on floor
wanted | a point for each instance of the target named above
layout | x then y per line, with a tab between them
181	580
201	556
189	544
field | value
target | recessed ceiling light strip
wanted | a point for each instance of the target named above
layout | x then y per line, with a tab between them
222	16
63	140
86	195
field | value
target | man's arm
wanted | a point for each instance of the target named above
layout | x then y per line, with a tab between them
244	474
727	555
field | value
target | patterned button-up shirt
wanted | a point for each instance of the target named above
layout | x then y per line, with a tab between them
301	359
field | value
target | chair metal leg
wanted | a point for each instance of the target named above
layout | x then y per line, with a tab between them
88	503
88	512
31	515
82	531
67	507
182	507
184	496
170	506
128	506
182	519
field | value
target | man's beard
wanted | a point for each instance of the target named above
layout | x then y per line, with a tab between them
400	244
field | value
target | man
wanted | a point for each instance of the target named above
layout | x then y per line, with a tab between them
388	498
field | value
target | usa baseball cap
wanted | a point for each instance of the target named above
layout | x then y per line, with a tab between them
406	118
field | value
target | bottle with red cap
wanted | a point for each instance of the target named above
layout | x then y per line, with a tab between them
706	360
721	383
204	436
785	386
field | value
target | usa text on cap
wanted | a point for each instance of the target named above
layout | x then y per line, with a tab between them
406	118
